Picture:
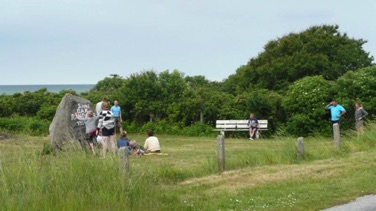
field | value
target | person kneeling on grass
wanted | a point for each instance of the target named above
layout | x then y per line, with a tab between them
135	148
152	143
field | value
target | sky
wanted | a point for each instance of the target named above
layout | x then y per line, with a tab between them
84	41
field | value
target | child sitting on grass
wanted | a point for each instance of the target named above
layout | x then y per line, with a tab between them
135	148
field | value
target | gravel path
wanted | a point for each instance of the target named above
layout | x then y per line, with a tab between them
365	203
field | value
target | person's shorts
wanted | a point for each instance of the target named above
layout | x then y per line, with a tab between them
253	128
91	136
108	132
117	122
359	124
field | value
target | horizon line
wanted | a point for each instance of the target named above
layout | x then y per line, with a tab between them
40	84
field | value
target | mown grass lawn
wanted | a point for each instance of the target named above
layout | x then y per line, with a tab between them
260	175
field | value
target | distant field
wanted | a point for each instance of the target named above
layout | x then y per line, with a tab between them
260	175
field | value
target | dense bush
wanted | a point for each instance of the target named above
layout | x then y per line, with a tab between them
198	129
164	127
358	86
47	112
27	125
304	105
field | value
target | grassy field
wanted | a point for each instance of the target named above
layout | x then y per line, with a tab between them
260	175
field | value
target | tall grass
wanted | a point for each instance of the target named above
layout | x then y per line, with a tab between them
262	174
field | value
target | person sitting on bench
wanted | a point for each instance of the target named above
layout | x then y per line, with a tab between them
252	124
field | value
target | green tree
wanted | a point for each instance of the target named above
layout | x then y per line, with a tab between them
7	105
109	87
172	88
358	86
197	101
143	100
264	104
109	84
319	50
304	105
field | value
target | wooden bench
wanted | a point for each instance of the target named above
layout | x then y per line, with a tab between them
239	125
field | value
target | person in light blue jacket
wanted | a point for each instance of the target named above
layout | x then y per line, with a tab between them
336	112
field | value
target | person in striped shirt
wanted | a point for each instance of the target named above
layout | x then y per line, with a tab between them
106	126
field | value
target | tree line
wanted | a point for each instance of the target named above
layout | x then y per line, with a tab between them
289	84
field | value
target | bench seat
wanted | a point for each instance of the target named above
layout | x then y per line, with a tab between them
239	125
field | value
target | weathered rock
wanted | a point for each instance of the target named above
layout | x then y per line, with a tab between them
65	128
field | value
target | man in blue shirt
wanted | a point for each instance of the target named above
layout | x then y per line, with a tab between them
116	114
336	111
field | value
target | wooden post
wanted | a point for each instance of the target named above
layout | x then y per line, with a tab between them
221	152
300	148
257	134
337	135
124	159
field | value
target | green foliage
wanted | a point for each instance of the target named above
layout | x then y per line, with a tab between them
109	84
7	105
26	125
265	105
164	127
198	129
358	86
38	127
47	112
143	99
319	50
47	149
305	103
200	100
301	125
30	103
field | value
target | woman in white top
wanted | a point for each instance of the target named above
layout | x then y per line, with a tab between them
152	143
106	126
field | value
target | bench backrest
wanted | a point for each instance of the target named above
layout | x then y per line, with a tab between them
239	124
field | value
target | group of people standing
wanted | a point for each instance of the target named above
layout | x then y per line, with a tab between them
337	111
102	128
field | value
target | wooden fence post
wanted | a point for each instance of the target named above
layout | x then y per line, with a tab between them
337	135
300	148
221	152
257	134
124	159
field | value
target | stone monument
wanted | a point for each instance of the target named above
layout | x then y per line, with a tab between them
65	128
